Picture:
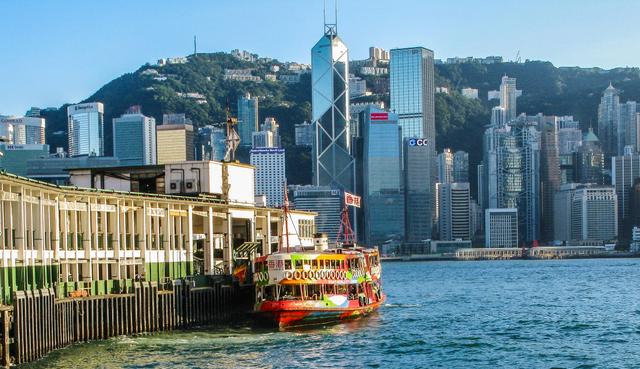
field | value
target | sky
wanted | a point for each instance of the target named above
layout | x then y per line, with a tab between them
54	52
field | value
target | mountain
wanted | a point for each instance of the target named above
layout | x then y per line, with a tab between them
459	121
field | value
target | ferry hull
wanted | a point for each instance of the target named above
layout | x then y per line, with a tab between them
284	317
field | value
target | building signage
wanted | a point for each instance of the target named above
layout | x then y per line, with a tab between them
74	206
103	207
418	141
9	196
351	200
156	212
379	116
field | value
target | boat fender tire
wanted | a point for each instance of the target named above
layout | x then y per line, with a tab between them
343	275
288	275
305	274
316	275
332	275
323	274
296	274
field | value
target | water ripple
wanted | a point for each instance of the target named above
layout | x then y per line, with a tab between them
511	314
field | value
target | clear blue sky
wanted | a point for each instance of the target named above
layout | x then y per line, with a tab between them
55	51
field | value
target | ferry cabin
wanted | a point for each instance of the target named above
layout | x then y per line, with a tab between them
312	276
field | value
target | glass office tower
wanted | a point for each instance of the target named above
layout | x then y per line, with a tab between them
333	163
413	91
134	139
247	118
382	176
86	129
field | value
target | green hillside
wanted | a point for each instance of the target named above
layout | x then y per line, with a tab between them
459	121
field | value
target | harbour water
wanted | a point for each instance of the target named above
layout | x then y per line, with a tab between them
484	314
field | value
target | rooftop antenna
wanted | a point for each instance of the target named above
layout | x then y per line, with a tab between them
330	29
195	45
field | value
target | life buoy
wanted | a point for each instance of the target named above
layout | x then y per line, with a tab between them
334	274
296	274
288	274
316	274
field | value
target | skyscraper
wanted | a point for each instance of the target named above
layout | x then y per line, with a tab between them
625	171
211	143
608	121
589	161
501	227
594	215
86	129
270	175
27	130
175	139
412	91
445	166
497	116
508	98
268	135
134	138
454	216
333	164
247	118
627	128
382	177
460	166
549	175
529	202
325	201
419	156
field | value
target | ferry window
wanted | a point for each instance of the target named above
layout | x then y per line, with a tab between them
287	264
268	293
289	292
298	264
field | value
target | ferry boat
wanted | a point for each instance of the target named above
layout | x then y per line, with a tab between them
305	288
310	288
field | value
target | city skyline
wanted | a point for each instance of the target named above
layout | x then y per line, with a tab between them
440	29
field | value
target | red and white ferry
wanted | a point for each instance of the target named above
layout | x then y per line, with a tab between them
317	287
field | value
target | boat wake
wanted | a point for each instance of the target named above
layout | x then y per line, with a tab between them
402	305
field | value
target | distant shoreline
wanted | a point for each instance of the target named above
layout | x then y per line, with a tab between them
428	257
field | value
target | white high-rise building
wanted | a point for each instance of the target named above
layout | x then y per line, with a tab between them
270	174
268	135
454	215
508	96
445	166
501	227
594	214
86	129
